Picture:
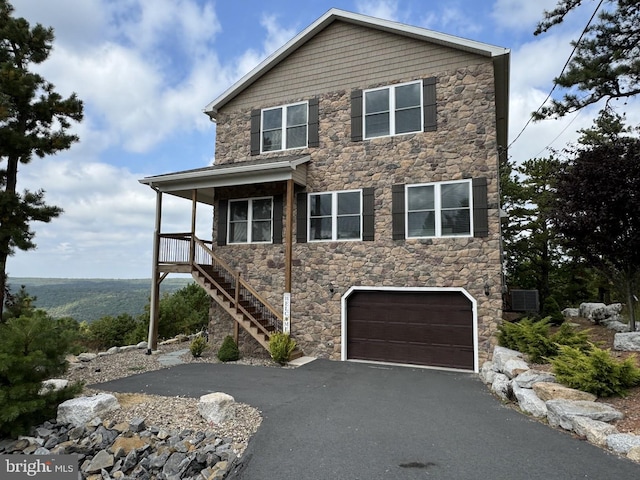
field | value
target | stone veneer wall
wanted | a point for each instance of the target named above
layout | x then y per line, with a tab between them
464	146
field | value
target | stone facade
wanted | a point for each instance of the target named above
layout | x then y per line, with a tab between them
464	146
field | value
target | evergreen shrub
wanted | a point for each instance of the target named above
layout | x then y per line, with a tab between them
551	310
198	346
228	350
280	346
32	349
595	371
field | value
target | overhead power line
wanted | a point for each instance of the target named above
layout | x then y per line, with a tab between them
575	47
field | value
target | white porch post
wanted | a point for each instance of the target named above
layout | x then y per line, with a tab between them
152	342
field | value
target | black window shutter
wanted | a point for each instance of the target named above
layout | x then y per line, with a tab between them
480	208
397	212
314	134
255	131
222	222
368	215
429	106
301	218
356	116
278	208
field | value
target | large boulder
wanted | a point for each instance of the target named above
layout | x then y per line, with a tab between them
561	413
623	442
594	431
628	342
514	367
81	410
554	391
595	312
530	377
216	407
571	312
488	373
529	401
501	386
53	385
502	355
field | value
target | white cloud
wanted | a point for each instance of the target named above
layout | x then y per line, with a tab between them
519	15
452	20
386	9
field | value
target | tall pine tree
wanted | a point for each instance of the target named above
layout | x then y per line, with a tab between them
34	120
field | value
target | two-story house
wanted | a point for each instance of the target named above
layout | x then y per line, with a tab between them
355	197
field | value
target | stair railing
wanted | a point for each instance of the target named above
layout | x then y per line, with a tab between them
242	296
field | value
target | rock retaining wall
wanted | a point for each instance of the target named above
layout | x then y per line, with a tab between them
536	394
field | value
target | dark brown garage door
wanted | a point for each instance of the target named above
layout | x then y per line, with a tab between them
422	328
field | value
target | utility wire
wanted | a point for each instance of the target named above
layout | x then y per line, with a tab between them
575	47
558	136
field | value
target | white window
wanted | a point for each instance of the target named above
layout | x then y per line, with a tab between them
335	216
284	128
250	220
439	209
393	110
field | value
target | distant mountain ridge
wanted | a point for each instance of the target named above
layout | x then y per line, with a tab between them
91	299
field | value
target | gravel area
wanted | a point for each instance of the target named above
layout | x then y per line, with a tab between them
171	413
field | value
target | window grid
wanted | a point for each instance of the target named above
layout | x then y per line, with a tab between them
336	217
392	110
284	128
250	221
438	210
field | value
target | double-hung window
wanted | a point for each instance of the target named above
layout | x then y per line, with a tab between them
250	220
335	216
439	209
393	110
285	127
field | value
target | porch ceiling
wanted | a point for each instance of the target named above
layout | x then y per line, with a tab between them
205	180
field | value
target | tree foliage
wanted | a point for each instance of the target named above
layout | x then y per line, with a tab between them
32	349
605	64
34	120
597	206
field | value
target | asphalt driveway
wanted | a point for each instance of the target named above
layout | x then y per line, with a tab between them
343	420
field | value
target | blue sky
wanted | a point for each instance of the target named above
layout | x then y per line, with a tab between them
146	69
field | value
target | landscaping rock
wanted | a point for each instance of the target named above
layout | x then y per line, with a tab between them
216	407
53	385
617	326
101	461
634	454
501	355
79	411
623	442
86	357
553	391
487	373
530	377
501	386
571	312
561	413
627	342
529	401
593	311
594	431
514	367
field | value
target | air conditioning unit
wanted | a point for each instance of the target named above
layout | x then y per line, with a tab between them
525	301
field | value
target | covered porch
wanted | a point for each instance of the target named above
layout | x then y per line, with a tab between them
184	252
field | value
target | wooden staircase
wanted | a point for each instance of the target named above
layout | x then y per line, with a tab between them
236	296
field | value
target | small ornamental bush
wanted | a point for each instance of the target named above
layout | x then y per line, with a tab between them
198	346
595	371
528	337
534	339
228	350
551	310
280	346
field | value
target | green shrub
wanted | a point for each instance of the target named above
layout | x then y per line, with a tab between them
567	335
280	346
595	371
198	346
529	337
551	310
228	350
32	349
108	331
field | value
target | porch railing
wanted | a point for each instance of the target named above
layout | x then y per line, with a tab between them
183	248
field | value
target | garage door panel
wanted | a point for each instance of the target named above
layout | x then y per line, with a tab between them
432	328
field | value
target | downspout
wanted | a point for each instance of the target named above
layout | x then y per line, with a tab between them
152	343
288	260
